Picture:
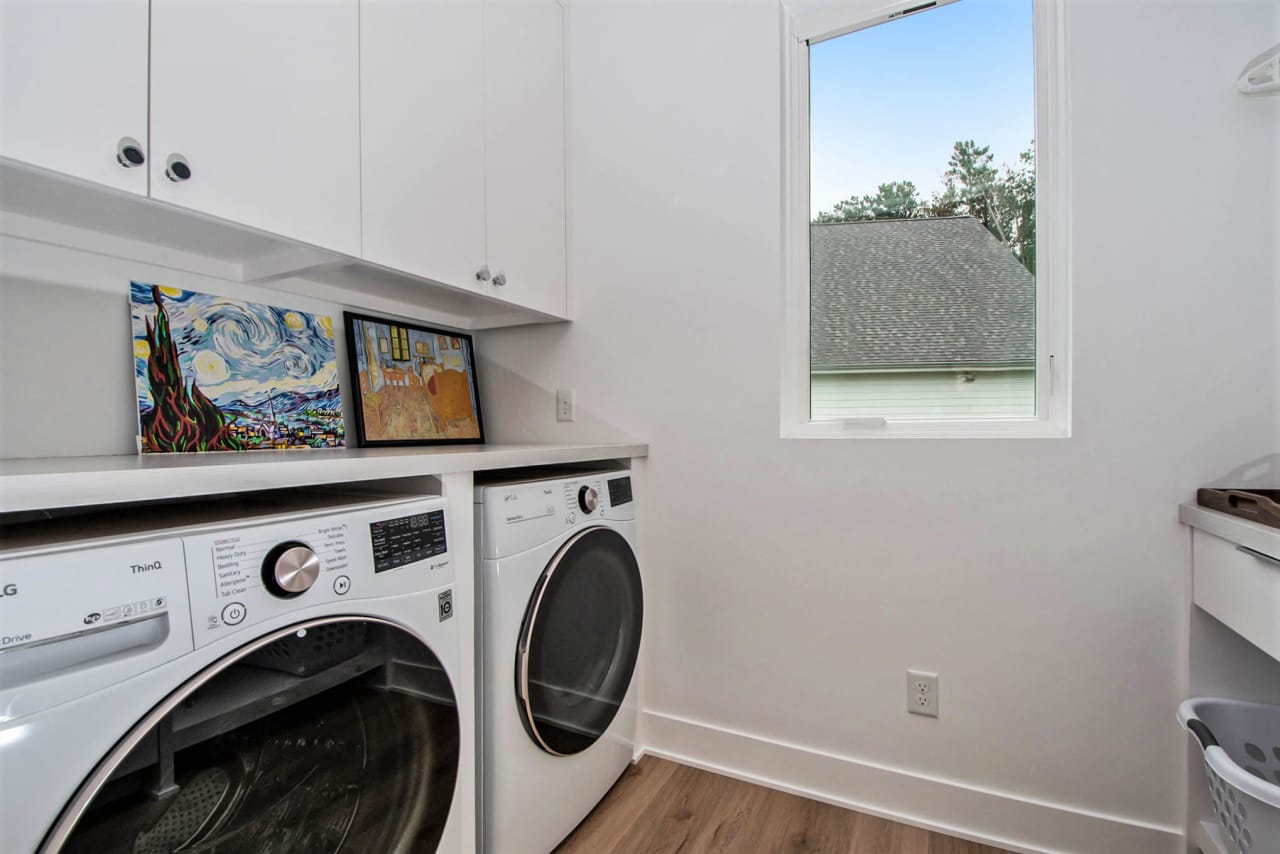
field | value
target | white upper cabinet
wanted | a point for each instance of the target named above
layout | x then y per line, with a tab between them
422	122
463	144
73	88
525	152
255	114
424	136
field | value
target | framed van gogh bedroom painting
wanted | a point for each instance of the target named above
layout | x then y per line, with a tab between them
219	374
412	385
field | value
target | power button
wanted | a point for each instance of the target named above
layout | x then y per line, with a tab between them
233	614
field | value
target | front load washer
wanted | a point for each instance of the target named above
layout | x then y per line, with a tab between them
276	680
559	619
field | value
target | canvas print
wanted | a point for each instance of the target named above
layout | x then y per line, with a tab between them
414	385
217	374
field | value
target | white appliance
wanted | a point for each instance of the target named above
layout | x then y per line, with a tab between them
558	626
265	678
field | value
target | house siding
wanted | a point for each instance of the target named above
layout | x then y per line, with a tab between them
923	394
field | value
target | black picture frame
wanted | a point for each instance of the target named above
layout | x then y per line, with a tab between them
354	324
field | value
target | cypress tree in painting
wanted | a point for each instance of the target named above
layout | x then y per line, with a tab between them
179	420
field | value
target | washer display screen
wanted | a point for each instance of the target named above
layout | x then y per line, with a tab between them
397	542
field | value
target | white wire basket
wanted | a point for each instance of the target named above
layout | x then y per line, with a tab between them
1241	744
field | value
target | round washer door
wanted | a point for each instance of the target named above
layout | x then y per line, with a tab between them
332	735
579	642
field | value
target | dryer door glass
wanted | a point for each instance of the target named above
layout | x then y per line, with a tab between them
332	735
579	642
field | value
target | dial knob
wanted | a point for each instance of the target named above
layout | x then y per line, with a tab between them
588	500
290	569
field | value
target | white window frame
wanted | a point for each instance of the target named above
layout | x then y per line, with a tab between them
1053	256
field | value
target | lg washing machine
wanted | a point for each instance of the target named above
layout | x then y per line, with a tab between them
276	679
559	621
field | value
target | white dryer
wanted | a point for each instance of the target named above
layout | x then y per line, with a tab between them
558	624
275	680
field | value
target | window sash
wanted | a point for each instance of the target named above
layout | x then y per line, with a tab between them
1053	358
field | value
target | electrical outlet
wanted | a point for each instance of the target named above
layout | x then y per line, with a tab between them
922	693
564	404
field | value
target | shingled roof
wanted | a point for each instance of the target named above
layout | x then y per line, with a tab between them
917	293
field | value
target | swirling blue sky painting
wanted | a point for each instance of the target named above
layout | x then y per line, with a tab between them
217	374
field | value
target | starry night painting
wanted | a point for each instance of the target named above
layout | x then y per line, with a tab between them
217	374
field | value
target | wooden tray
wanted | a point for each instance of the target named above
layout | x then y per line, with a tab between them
1258	505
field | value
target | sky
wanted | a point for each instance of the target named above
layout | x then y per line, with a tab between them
888	103
236	350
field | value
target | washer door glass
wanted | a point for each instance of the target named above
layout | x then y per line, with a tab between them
579	642
331	735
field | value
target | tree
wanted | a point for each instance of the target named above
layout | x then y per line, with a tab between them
1002	200
182	418
969	185
1016	201
894	200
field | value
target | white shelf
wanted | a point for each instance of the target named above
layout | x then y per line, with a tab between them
43	207
54	482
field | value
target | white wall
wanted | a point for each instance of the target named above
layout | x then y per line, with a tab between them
790	583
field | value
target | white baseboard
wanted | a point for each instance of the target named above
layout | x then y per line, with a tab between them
951	807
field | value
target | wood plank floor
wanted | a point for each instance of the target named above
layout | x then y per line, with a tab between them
658	807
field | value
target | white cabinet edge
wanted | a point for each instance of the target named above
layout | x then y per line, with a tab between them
1242	532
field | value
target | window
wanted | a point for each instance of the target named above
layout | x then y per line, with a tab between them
399	344
925	222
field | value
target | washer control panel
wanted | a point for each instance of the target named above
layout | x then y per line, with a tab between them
243	576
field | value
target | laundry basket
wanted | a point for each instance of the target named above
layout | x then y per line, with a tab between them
1241	743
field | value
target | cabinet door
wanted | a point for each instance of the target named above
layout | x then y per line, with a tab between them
422	122
73	85
525	151
260	98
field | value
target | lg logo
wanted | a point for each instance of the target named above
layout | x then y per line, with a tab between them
8	590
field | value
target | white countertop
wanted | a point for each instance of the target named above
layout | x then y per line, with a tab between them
77	481
1240	531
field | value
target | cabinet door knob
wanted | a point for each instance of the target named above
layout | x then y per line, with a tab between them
129	152
177	169
500	279
482	275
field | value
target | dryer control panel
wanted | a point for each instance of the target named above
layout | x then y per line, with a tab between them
519	516
243	576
